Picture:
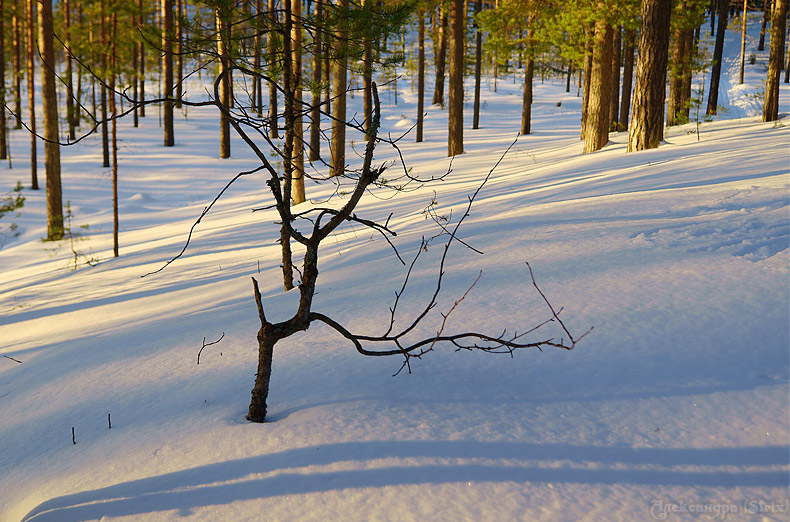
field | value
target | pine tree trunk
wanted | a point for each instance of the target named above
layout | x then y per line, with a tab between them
367	76
439	60
676	72
224	85
315	111
766	16
421	76
455	134
113	112
596	130
257	96
179	35
18	72
743	42
337	161
51	146
297	185
3	130
141	60
167	70
615	97
647	122
68	73
718	52
105	133
685	93
787	65
31	89
272	49
777	43
526	107
588	61
478	66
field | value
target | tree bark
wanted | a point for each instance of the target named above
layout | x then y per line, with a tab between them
455	134
526	106
588	65
766	16
647	122
367	75
421	76
676	72
113	67
337	162
3	131
51	146
743	42
223	40
439	59
105	133
18	72
179	35
272	48
31	89
596	130
718	52
167	70
478	66
777	43
315	112
297	185
141	60
628	76
691	51
615	97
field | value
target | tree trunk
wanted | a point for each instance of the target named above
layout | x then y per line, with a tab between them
777	43
113	112
478	66
105	133
68	73
718	51
3	131
615	97
766	16
339	69
179	35
676	72
315	112
18	72
628	76
31	89
51	146
257	93
787	66
691	52
266	340
596	130
455	134
297	185
647	122
167	70
367	75
743	42
526	107
439	60
272	48
141	60
588	61
421	76
223	41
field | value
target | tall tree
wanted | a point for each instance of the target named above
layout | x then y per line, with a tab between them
339	82
628	75
315	87
19	44
50	104
104	43
297	187
455	135
222	17
167	71
114	112
421	74
440	57
31	88
3	138
141	60
743	41
647	122
68	73
777	43
596	130
272	49
718	53
478	64
615	96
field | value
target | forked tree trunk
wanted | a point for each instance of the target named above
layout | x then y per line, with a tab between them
647	122
455	131
596	130
51	146
777	43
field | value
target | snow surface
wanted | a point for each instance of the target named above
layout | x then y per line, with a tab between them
674	407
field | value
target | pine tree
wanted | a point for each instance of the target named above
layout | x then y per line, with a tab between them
50	105
455	134
777	43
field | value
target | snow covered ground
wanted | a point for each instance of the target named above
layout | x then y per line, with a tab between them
674	407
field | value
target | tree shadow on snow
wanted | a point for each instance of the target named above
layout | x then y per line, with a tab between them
276	474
